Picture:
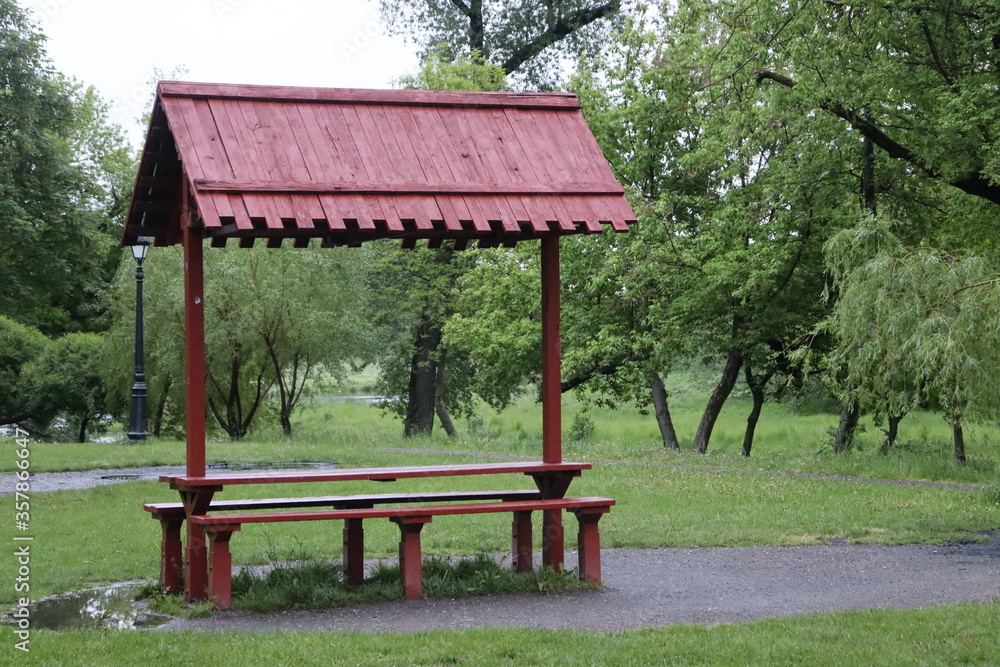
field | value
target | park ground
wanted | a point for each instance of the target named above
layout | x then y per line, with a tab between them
665	500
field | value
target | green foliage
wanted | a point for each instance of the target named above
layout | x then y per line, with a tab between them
66	381
19	344
915	324
63	186
273	318
466	72
532	39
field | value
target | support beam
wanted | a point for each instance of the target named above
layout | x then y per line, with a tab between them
354	552
171	557
551	373
194	339
410	565
521	549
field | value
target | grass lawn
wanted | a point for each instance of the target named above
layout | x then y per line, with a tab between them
664	499
960	634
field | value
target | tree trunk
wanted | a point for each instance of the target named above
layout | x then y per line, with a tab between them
446	423
850	413
83	429
892	432
662	411
161	406
734	361
959	435
420	405
757	387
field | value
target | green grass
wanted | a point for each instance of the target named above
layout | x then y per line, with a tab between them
310	583
956	634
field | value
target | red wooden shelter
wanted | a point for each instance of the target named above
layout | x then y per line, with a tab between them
349	166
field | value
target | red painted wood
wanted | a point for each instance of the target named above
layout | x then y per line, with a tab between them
461	99
220	567
172	556
354	551
553	540
194	344
546	504
173	511
521	547
551	378
535	468
410	563
589	542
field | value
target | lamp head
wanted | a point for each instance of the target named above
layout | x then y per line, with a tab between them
141	247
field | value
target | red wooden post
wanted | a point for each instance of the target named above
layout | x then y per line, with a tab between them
553	542
171	557
220	566
410	566
195	551
354	551
521	549
551	374
589	542
194	339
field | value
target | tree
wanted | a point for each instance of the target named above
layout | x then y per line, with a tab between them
522	37
66	381
918	80
19	344
61	186
274	318
916	323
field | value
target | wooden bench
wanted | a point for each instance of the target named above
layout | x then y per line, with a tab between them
171	517
219	529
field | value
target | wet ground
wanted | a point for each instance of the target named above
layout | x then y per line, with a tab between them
657	587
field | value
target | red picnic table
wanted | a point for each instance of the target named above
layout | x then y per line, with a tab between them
349	166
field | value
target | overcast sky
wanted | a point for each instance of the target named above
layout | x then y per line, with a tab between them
116	44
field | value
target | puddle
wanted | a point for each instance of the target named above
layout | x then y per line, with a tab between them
108	608
264	465
121	477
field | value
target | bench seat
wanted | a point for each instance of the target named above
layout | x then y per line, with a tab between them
410	519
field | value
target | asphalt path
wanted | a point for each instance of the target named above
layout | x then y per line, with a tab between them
658	587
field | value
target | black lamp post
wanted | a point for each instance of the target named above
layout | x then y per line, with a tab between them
137	417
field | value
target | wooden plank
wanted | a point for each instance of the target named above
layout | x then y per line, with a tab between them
171	89
388	512
372	474
408	188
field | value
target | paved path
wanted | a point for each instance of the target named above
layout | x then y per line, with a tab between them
657	587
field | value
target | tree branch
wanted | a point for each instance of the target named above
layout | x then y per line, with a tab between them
974	184
557	31
462	7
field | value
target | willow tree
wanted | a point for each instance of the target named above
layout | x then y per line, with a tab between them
917	323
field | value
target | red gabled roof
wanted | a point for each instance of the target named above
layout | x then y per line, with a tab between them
354	165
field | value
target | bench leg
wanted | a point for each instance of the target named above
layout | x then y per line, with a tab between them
553	544
521	549
195	551
354	551
171	556
410	567
589	541
220	567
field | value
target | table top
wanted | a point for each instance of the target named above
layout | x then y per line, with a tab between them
185	482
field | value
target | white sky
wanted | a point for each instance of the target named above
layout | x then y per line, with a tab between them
115	45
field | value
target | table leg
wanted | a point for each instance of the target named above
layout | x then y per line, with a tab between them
553	543
195	551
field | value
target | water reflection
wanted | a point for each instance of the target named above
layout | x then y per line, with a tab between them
110	608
